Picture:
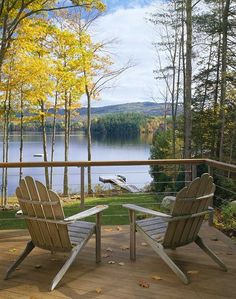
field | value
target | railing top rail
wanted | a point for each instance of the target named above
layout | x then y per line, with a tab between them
100	163
220	165
209	162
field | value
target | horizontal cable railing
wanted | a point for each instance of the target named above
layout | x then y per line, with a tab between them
152	188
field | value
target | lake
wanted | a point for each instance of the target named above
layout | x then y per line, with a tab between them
135	148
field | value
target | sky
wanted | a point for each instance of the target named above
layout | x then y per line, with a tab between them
127	22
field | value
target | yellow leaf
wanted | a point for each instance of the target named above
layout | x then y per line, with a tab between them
12	250
119	228
144	244
98	290
155	277
121	263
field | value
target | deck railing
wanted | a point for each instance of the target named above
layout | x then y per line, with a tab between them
218	169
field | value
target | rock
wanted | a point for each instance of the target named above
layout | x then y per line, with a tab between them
233	203
18	213
168	202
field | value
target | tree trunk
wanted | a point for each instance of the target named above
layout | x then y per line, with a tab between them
7	148
66	145
4	147
21	132
42	117
89	139
223	76
216	94
53	137
188	88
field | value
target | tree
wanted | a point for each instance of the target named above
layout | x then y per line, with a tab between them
13	12
214	80
169	49
97	68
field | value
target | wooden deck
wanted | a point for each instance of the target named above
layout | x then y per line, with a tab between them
32	278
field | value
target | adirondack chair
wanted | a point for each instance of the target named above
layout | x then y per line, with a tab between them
178	229
50	230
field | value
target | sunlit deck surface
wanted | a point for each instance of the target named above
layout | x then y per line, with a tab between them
32	278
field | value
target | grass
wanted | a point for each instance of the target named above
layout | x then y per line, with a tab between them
114	215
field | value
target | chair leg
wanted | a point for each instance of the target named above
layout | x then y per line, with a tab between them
29	247
160	251
98	238
158	248
209	252
75	251
132	235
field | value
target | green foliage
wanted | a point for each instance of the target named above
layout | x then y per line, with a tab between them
122	124
160	149
225	189
226	219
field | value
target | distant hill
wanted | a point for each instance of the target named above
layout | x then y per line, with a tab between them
147	108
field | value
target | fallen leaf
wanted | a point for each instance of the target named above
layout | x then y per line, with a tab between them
109	249
124	248
229	253
17	268
119	228
143	284
214	239
192	272
12	250
155	277
38	266
108	229
121	264
111	262
105	255
98	290
144	244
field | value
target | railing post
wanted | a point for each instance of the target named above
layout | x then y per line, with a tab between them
211	215
194	171
210	170
82	187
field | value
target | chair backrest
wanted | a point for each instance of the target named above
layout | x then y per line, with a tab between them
43	213
192	199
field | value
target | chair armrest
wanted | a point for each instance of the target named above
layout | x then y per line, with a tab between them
87	213
146	211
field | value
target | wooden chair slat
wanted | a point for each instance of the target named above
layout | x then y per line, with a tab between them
64	237
22	205
27	207
25	191
34	196
57	209
43	195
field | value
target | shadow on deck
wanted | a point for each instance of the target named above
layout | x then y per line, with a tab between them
32	278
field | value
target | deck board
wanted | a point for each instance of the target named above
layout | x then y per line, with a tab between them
117	281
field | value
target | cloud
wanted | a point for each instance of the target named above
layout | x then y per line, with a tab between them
135	34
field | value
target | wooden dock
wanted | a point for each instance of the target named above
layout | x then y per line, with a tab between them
87	280
119	181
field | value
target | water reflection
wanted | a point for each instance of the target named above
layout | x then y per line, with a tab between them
103	148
